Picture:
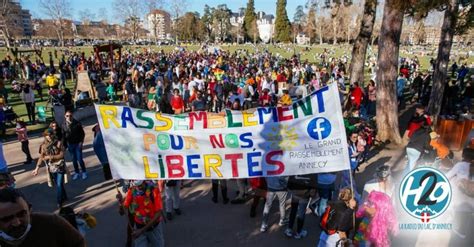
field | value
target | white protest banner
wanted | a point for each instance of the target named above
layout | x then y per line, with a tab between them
306	137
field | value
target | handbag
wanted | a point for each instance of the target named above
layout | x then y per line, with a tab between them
57	167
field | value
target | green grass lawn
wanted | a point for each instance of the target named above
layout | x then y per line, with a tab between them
19	108
286	51
339	50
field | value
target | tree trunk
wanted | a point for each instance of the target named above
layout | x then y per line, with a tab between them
389	42
320	33
348	34
61	33
362	41
334	31
440	73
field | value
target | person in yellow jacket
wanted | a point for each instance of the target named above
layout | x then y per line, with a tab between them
285	99
52	81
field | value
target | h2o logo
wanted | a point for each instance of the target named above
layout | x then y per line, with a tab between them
425	193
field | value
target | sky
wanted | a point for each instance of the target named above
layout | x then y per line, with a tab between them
268	6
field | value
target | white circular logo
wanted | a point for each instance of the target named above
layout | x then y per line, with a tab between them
425	193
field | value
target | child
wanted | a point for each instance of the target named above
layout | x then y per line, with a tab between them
21	131
442	152
111	92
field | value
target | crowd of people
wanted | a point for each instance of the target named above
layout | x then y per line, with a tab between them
213	80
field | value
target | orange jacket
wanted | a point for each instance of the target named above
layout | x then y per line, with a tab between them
441	150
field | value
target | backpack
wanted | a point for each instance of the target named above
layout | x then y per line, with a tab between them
328	220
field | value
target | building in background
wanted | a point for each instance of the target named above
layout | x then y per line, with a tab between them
19	20
158	24
266	25
237	19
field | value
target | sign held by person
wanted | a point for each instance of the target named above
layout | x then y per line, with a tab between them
306	137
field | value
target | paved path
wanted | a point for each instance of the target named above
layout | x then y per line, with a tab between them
202	224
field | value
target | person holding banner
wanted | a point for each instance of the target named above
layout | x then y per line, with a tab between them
172	201
198	104
145	207
302	188
354	154
177	102
242	191
341	222
326	187
277	187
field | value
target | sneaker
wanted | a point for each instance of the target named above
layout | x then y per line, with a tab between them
169	216
75	176
288	232
301	235
283	223
177	211
263	228
84	176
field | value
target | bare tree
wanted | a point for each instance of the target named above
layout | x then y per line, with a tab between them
59	11
86	16
314	20
336	8
129	11
177	8
103	15
362	41
420	32
8	27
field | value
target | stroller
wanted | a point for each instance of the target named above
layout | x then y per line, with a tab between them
10	115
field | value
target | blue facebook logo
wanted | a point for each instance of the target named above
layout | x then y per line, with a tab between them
319	128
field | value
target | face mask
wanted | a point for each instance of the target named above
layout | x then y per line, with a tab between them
10	239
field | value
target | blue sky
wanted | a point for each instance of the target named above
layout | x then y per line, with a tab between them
268	6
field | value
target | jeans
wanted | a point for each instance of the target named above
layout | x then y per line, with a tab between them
63	80
30	109
58	180
413	155
297	213
26	149
153	238
282	198
76	152
172	197
241	187
215	188
325	192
